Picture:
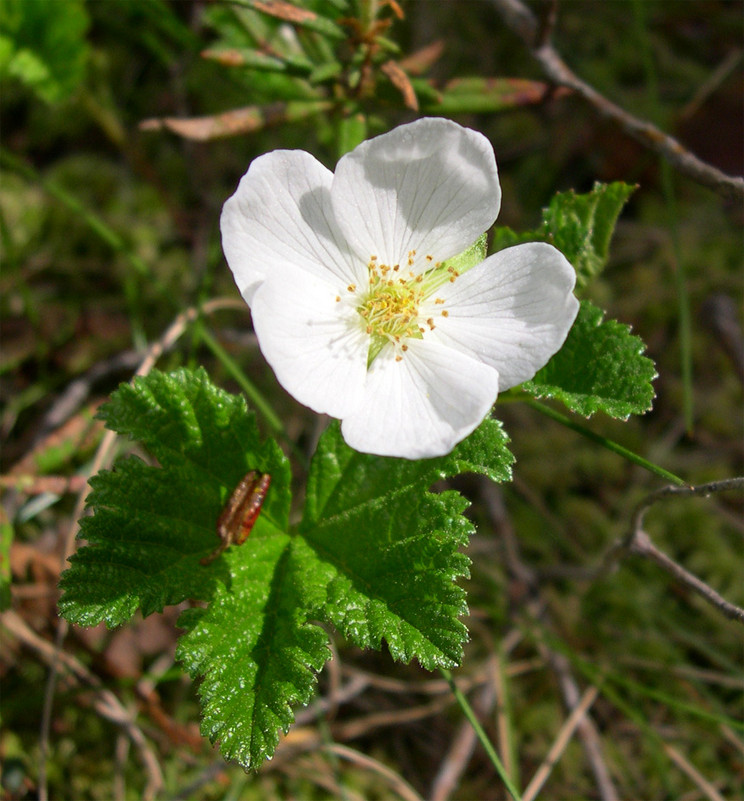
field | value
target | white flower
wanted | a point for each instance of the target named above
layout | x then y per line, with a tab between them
353	307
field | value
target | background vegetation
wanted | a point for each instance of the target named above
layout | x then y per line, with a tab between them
109	232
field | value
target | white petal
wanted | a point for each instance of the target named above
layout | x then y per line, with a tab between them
431	186
281	215
512	312
423	405
315	345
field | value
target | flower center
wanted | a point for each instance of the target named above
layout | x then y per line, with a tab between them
390	307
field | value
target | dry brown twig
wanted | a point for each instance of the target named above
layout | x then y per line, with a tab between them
537	38
638	542
579	721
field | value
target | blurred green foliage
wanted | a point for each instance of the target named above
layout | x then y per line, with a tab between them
43	44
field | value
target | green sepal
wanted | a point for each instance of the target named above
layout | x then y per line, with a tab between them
469	257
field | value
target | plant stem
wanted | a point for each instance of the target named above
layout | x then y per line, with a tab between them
611	445
481	734
232	367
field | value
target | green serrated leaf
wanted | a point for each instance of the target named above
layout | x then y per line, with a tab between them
151	525
381	552
254	650
581	226
601	367
377	553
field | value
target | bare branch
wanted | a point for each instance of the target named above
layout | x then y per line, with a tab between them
639	542
523	22
642	545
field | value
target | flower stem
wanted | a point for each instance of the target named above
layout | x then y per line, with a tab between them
254	396
611	445
480	734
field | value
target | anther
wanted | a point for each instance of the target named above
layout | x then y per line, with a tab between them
445	313
351	288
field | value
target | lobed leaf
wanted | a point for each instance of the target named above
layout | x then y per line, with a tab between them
255	651
151	525
601	367
377	553
383	550
581	226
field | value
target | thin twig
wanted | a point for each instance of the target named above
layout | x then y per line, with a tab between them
105	702
639	542
397	783
642	545
523	22
578	714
